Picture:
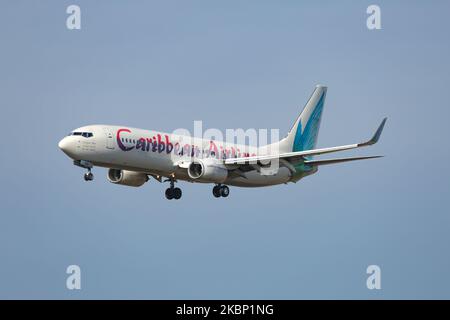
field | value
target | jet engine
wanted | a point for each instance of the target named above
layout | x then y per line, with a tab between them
127	178
207	170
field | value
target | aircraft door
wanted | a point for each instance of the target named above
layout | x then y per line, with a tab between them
109	139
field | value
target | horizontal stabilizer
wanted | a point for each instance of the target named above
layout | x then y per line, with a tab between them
338	160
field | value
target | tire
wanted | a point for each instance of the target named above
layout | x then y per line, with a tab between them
224	191
169	193
177	193
216	191
88	176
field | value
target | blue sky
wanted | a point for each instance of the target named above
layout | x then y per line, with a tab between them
232	64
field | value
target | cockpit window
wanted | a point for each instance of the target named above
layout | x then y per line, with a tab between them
84	134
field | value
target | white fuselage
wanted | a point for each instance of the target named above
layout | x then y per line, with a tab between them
133	155
160	154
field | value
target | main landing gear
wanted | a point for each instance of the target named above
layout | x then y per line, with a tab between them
172	192
221	191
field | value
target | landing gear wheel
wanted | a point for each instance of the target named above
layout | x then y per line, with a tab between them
216	191
172	192
169	193
224	191
176	193
89	176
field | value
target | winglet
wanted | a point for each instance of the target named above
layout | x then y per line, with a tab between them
376	136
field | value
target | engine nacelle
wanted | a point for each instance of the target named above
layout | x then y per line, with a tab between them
207	170
127	178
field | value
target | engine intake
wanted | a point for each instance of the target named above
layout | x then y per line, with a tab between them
127	178
207	170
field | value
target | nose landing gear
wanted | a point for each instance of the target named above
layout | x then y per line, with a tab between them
88	176
221	191
172	192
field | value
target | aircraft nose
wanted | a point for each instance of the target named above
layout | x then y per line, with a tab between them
66	146
63	144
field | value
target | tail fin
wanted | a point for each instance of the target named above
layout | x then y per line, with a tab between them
303	135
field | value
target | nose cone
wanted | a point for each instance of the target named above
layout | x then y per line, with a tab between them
66	146
63	144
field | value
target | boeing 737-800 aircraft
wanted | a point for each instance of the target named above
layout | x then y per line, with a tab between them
133	155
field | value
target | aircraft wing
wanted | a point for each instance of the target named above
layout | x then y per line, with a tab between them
300	154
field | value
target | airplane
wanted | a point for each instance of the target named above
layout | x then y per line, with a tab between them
133	156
